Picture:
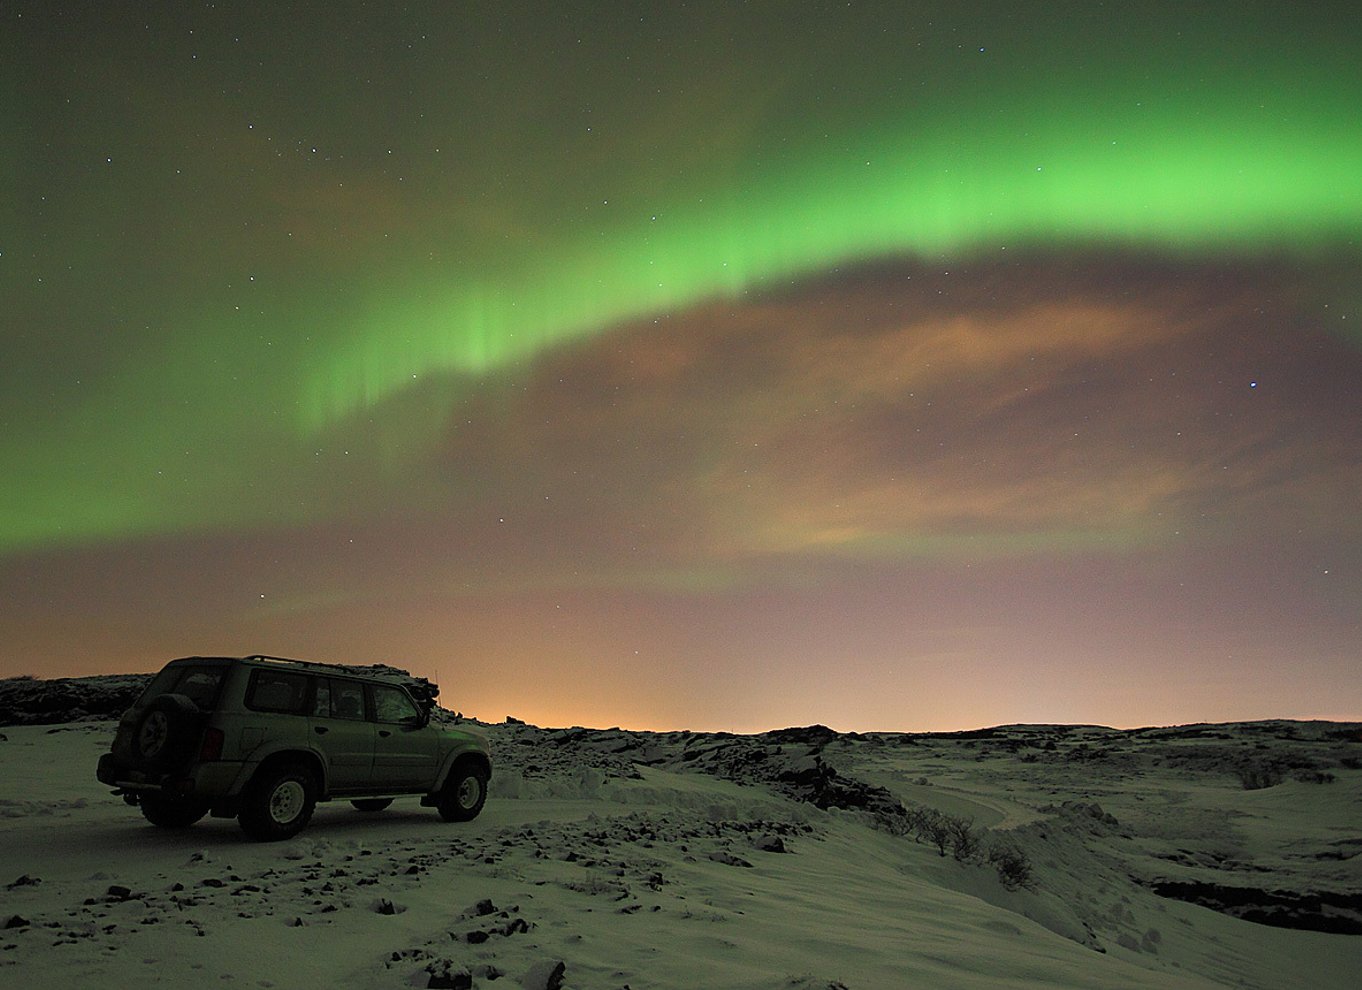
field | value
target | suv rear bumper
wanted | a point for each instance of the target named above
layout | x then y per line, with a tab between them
212	781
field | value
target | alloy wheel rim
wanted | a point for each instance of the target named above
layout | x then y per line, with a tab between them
153	735
286	803
469	790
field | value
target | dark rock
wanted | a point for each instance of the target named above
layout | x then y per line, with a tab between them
1089	813
1316	911
385	906
24	881
545	975
30	701
213	882
769	843
445	975
728	859
119	893
481	909
16	921
810	735
34	701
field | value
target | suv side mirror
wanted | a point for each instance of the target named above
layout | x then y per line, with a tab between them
416	721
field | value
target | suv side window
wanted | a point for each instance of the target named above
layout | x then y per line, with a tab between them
200	685
347	699
276	691
393	705
321	699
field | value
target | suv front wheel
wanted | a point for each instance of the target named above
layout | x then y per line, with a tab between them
278	803
463	794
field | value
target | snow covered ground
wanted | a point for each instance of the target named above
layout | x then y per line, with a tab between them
792	859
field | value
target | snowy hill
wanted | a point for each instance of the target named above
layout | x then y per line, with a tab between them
1195	856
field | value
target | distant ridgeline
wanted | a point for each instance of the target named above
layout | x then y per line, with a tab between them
35	701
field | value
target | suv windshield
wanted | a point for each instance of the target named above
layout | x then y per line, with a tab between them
392	705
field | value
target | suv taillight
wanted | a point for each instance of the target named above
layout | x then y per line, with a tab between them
212	744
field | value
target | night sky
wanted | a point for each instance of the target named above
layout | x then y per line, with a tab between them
886	365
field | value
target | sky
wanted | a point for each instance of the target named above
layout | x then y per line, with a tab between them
892	366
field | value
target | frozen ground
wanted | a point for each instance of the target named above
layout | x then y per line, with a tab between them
788	860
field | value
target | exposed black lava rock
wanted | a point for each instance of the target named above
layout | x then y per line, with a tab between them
1313	911
31	701
448	975
769	843
809	735
35	701
547	975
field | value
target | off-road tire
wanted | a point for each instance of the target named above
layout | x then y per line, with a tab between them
168	734
278	802
371	804
164	812
464	793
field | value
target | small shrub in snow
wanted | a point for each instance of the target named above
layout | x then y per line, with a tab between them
1256	777
965	842
963	837
1014	869
929	825
1313	776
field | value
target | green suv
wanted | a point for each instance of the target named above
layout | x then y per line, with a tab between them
263	739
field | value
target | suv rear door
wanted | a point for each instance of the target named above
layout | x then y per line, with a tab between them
275	703
343	732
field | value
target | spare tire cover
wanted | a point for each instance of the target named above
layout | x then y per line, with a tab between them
167	732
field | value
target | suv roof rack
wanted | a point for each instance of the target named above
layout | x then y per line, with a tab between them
414	686
302	663
374	671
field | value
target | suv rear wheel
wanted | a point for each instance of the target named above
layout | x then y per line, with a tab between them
170	812
278	802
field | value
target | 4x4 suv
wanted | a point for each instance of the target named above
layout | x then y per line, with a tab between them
263	739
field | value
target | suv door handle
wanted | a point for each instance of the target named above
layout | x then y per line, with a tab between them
384	733
319	729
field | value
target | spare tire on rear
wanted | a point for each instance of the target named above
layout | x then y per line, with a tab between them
168	733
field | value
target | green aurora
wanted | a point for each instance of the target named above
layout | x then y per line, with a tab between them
472	190
912	364
1262	181
1241	143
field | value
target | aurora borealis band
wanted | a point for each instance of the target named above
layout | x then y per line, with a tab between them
889	365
